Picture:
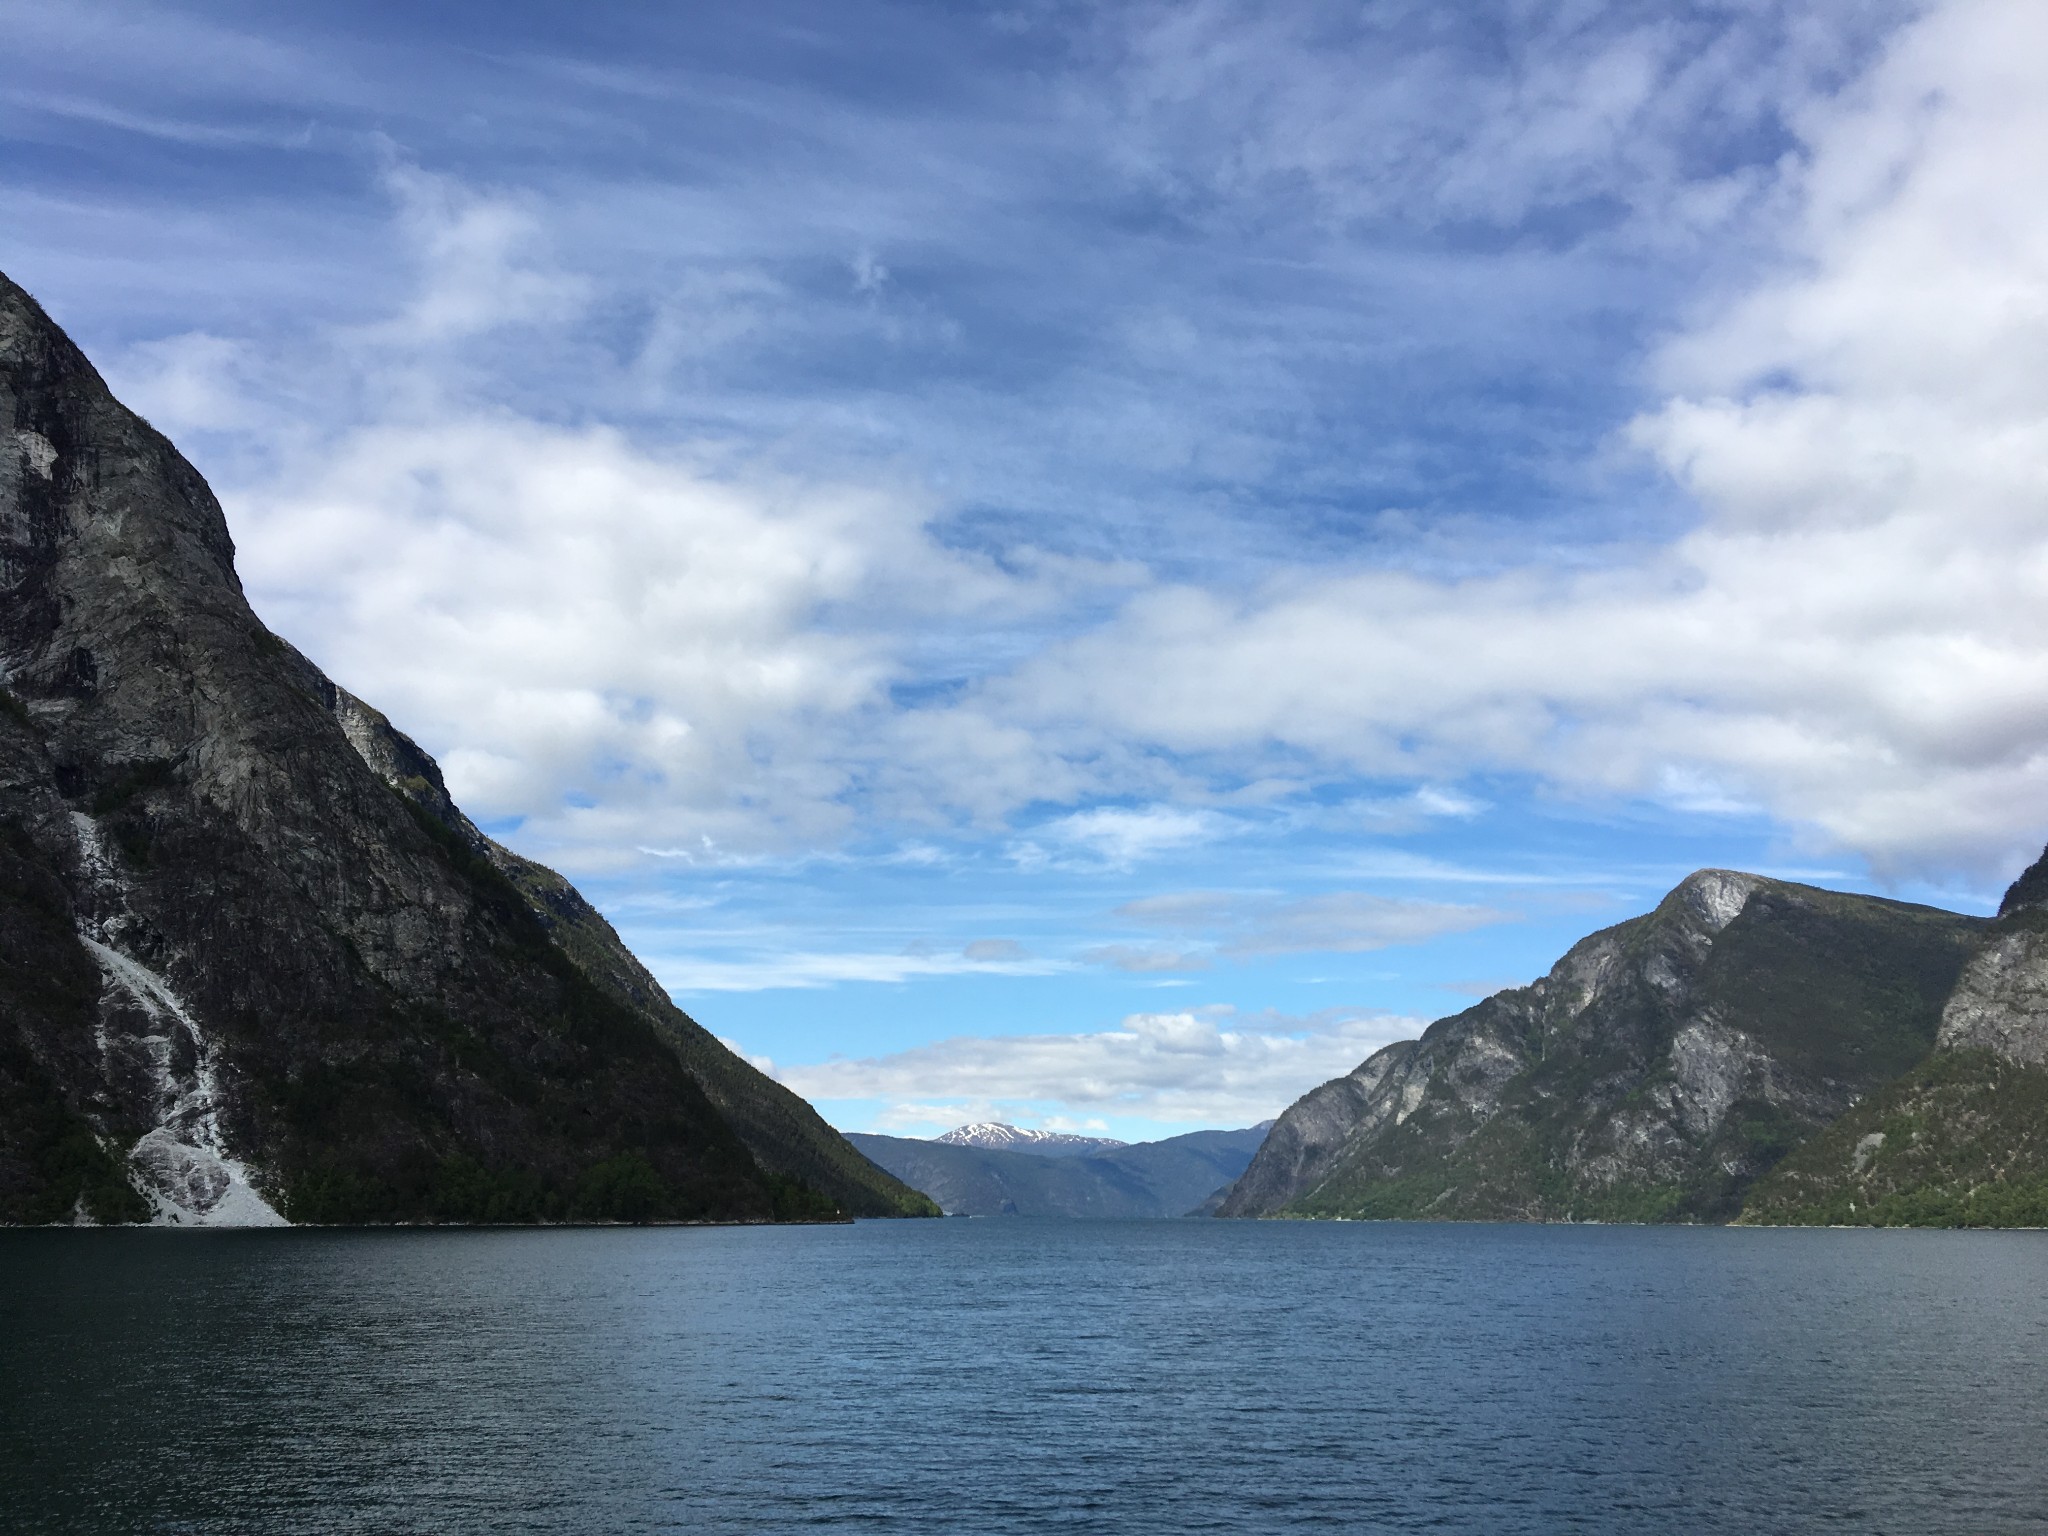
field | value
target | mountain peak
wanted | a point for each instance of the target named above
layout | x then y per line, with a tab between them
2030	890
994	1135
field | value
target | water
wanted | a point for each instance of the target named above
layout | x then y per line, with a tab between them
1012	1376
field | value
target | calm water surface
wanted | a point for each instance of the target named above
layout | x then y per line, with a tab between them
1010	1376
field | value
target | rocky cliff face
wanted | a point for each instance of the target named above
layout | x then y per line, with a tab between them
2001	1003
253	965
1655	1073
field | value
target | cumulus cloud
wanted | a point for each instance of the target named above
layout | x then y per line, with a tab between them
1206	1067
578	616
1117	836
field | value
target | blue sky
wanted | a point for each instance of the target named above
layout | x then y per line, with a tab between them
1093	564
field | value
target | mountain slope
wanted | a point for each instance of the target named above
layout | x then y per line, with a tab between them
1962	1139
1655	1073
1154	1178
785	1135
243	979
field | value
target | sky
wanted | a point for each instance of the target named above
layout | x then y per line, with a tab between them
1092	565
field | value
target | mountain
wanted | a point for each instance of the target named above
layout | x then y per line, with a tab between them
994	1136
1151	1178
1962	1138
254	964
1656	1073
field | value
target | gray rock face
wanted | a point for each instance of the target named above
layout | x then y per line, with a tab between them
1659	1068
239	975
2001	1003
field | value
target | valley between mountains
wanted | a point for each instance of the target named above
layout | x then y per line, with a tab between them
257	967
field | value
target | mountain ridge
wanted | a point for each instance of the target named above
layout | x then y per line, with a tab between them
1171	1177
1655	1073
1000	1136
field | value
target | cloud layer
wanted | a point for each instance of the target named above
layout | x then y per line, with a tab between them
1852	637
670	650
1184	1068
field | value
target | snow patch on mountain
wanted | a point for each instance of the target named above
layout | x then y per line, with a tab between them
993	1135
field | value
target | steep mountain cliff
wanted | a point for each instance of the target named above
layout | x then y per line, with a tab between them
1654	1074
1173	1177
241	978
786	1136
1962	1139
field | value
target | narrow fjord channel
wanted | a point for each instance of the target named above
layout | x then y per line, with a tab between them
1012	1376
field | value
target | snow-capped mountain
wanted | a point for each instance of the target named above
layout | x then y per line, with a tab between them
994	1136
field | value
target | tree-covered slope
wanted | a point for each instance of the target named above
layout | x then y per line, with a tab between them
1959	1141
1962	1138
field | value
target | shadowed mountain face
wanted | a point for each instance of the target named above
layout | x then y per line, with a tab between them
1173	1177
1659	1069
253	963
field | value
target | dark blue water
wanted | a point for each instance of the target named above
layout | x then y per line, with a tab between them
1009	1376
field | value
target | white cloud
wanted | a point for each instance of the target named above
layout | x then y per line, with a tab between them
1145	960
1198	1067
1339	922
1120	837
576	615
685	974
475	254
191	382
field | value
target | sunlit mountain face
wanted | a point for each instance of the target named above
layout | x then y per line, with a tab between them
1090	570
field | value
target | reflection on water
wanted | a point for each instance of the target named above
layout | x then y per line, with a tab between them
1001	1376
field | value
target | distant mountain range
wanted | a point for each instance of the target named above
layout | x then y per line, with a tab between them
255	964
982	1170
995	1136
1751	1050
